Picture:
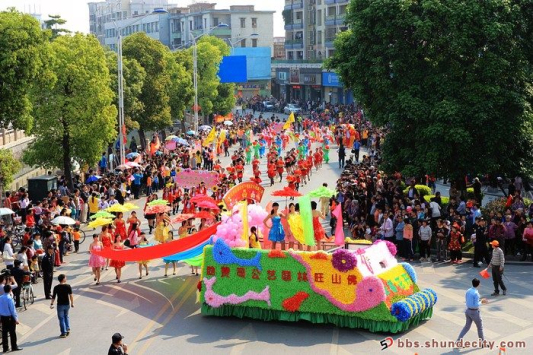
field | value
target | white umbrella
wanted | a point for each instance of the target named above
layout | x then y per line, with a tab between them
205	128
5	211
228	123
63	220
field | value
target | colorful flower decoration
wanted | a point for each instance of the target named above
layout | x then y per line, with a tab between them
410	270
223	255
391	246
215	300
276	254
320	255
413	305
343	260
292	304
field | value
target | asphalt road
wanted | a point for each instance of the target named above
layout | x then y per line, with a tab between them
159	315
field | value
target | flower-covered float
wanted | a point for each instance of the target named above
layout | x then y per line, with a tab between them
366	288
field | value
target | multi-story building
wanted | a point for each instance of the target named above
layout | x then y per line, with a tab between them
109	14
310	29
240	25
279	48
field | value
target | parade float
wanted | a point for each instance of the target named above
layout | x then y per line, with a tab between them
358	285
366	288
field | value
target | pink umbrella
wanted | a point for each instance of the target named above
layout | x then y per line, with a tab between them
170	145
208	204
201	198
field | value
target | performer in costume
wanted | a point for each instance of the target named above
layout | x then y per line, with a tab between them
161	230
276	234
317	226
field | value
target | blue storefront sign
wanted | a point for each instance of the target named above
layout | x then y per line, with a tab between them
331	80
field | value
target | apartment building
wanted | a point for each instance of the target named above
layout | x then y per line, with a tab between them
109	14
279	48
240	25
311	27
310	30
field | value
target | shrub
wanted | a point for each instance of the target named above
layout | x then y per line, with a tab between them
445	200
498	205
423	190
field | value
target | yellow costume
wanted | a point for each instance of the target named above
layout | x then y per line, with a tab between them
161	233
143	262
254	241
295	223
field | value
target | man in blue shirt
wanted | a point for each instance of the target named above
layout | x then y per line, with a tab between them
472	313
102	164
9	317
136	186
355	150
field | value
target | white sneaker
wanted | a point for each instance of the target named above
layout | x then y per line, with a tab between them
479	263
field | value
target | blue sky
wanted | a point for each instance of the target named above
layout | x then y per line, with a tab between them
76	12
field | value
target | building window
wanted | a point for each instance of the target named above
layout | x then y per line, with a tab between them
243	22
190	25
254	42
205	23
135	13
254	22
319	37
215	21
243	42
319	18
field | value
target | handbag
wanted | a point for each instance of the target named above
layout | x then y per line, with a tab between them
7	257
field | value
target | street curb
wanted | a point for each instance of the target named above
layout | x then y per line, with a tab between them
509	262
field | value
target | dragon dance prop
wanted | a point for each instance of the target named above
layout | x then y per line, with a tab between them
366	288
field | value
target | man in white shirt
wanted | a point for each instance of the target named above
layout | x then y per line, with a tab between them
387	229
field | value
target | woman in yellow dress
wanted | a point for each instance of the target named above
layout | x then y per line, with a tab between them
161	233
295	223
143	263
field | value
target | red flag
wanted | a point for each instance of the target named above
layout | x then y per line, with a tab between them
124	134
339	229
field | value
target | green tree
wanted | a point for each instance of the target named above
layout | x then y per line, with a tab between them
75	116
134	77
22	60
181	89
53	24
451	78
225	100
9	166
153	57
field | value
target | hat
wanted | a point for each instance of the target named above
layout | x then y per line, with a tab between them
117	337
495	243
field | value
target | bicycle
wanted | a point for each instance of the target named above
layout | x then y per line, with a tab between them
27	294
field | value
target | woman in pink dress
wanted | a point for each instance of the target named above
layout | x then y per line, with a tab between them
96	262
118	264
120	226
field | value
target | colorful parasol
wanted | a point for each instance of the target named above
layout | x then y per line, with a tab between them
322	191
286	192
208	204
117	207
159	202
158	209
204	214
102	214
200	198
171	137
100	222
130	206
183	217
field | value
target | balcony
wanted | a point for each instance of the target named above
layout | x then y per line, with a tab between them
329	42
294	44
294	5
340	1
329	2
295	25
335	20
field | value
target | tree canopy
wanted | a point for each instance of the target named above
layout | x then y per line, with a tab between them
22	58
134	76
451	78
76	118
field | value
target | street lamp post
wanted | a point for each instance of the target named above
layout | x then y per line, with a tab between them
121	120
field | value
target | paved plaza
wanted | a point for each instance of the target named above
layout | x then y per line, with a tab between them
161	315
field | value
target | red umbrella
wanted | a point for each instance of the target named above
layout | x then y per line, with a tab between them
286	192
200	197
158	209
208	204
183	217
204	214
